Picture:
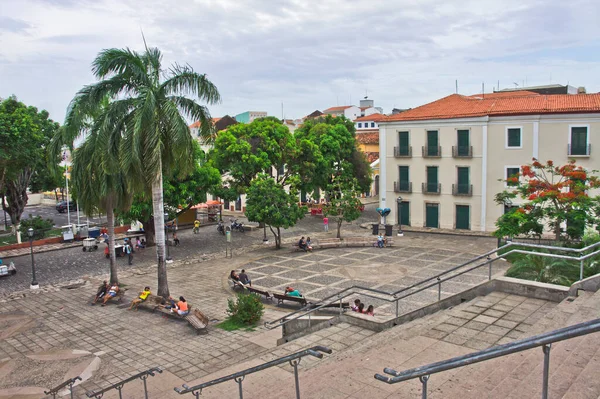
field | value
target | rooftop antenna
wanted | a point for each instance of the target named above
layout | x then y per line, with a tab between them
482	90
516	84
456	85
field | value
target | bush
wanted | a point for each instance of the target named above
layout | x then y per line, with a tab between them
41	226
247	309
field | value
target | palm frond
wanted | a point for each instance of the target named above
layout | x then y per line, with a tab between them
185	81
125	62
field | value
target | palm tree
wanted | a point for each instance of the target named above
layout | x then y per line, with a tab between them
97	180
545	270
150	103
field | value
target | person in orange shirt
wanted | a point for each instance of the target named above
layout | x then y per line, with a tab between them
181	307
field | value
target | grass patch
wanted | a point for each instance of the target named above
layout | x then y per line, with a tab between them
12	238
232	324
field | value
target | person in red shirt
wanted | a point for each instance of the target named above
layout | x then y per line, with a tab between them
326	223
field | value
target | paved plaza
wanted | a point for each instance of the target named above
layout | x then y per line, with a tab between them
53	334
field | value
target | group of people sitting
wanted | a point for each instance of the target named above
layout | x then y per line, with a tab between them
360	308
107	291
241	278
305	245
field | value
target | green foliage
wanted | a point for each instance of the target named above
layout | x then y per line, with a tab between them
268	202
344	203
37	223
332	149
545	270
246	309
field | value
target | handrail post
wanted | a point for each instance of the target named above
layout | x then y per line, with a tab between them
490	267
144	377
239	381
309	320
580	269
294	364
118	388
439	289
424	380
546	349
71	386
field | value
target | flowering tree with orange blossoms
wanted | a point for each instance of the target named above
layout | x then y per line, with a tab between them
552	195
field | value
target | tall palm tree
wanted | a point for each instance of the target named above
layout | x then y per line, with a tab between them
98	181
151	103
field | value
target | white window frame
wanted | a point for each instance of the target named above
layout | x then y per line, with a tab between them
506	146
373	124
506	167
587	139
359	125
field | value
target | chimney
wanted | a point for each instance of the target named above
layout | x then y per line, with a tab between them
581	90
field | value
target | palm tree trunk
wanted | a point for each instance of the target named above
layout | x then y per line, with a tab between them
110	220
159	231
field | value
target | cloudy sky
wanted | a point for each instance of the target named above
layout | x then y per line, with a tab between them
306	54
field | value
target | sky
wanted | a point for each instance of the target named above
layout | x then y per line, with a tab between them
305	54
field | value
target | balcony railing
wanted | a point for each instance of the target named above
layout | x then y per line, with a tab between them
431	151
459	151
462	189
431	188
403	151
403	186
581	151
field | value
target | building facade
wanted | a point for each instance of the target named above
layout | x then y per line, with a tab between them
249	116
440	164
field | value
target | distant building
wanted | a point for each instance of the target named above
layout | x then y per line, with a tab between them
367	107
249	116
313	115
219	123
368	122
349	111
546	89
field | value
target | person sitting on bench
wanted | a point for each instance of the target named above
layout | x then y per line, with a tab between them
102	290
361	308
302	244
181	308
141	298
356	305
309	244
139	244
112	292
234	276
289	291
244	278
380	241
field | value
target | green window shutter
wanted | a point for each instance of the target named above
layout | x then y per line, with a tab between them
403	139
432	143
403	178
514	137
405	213
462	180
462	217
432	215
578	141
462	143
432	179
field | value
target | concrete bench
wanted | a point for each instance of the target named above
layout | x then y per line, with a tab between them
328	243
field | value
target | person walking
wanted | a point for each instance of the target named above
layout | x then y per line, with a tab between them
175	239
326	223
129	252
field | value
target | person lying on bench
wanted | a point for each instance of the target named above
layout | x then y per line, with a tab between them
289	291
243	278
141	298
181	308
112	292
102	290
234	276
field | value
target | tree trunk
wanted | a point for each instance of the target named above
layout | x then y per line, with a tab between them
159	230
56	195
110	219
149	230
277	236
557	230
16	198
339	228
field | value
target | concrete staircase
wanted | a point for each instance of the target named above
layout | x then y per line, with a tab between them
482	322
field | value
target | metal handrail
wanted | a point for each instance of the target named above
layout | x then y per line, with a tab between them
119	385
339	296
293	359
70	382
544	340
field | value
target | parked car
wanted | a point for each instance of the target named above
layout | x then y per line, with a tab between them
61	207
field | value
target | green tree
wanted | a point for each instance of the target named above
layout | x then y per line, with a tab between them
269	202
550	194
148	106
180	194
25	133
333	149
344	204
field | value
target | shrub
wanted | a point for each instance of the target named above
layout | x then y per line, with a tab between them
41	226
246	308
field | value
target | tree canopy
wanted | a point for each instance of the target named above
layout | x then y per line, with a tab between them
552	195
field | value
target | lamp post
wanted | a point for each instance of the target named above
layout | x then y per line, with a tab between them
169	259
399	201
34	284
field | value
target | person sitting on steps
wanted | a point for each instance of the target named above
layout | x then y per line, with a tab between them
141	298
234	276
355	306
370	311
102	290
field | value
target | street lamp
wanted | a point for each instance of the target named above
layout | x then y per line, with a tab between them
169	259
34	284
399	201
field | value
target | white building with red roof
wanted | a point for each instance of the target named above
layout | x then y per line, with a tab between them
440	163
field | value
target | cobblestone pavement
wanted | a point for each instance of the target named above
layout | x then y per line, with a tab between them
37	327
72	263
414	257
